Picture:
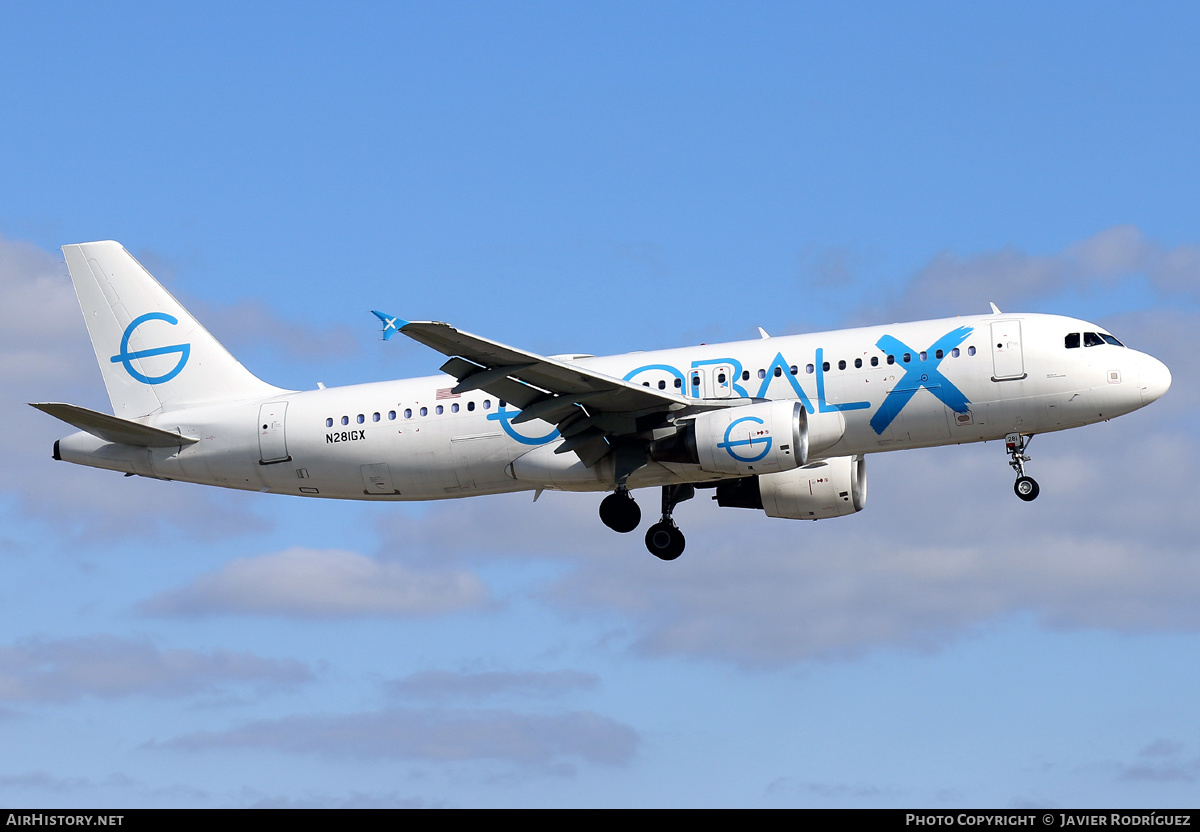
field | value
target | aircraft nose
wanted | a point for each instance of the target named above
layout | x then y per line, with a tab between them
1155	378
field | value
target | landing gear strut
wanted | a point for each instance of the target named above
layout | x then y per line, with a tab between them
663	539
619	512
1026	487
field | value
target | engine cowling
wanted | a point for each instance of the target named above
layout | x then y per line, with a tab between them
829	488
757	439
762	438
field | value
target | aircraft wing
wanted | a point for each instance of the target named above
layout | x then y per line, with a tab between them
589	408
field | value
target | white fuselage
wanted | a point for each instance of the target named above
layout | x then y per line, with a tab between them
412	439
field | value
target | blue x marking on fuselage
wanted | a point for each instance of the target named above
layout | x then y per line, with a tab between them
920	373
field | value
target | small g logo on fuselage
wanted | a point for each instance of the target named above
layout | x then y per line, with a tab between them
126	357
730	444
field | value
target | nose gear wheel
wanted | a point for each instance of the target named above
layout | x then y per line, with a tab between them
1026	487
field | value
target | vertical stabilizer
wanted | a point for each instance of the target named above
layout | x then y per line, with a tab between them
153	354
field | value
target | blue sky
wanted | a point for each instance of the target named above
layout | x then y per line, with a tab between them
602	177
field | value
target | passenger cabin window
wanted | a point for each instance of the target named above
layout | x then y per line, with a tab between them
970	350
857	363
391	415
454	408
810	369
345	420
470	405
954	352
841	365
874	360
329	422
374	417
778	371
424	411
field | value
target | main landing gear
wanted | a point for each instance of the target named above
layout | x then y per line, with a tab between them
1026	487
663	539
620	513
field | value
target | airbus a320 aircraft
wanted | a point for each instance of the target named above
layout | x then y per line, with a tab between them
782	424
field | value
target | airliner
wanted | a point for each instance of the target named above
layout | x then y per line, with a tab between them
781	425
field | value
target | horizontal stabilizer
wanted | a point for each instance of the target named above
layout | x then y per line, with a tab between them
113	428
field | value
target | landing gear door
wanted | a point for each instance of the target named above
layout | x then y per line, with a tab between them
1008	360
272	441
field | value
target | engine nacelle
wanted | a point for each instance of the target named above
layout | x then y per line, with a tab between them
828	488
762	438
756	439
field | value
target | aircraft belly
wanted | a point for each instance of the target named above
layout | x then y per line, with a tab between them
480	460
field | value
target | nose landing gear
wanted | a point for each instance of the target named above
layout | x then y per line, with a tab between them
663	539
1025	487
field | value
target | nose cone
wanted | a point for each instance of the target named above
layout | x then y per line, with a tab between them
1155	377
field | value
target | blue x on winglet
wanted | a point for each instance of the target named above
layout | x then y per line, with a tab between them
391	324
920	374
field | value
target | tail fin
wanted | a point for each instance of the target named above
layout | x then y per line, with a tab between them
153	354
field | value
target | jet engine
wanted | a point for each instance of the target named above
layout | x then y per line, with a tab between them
762	438
829	488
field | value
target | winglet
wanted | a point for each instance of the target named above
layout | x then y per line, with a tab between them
391	324
762	332
995	308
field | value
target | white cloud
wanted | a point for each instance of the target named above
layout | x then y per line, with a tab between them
952	284
1162	761
65	670
323	583
435	735
445	684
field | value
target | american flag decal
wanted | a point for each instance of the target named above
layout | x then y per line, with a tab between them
447	393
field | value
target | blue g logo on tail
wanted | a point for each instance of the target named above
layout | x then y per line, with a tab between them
730	444
126	357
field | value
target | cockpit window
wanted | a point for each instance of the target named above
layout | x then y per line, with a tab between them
1072	341
1108	339
1091	339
